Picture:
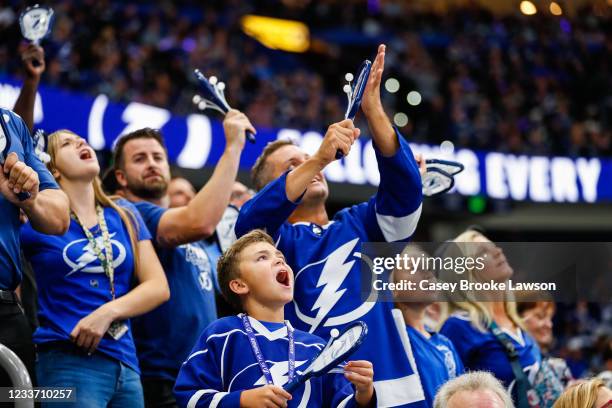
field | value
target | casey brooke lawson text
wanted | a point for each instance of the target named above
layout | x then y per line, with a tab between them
464	285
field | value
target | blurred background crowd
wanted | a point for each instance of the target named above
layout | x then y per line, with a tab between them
536	84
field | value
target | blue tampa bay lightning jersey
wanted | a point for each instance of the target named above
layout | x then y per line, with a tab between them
436	359
326	263
222	365
482	351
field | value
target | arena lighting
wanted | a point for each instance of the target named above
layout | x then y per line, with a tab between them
528	8
392	85
277	34
400	119
555	9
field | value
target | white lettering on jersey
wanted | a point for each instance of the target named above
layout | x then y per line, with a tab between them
449	360
196	255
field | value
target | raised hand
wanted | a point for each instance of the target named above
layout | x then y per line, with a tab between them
339	136
33	58
371	102
17	177
235	125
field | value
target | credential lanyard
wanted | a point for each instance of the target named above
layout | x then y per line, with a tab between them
522	382
106	260
259	355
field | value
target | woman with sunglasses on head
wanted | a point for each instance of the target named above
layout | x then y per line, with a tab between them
85	280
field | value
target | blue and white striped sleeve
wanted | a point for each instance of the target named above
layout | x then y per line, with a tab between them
398	201
199	383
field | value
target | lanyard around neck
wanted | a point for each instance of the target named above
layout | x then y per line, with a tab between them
106	258
259	355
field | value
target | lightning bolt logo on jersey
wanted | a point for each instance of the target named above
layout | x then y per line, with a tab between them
71	280
326	262
80	256
329	290
221	365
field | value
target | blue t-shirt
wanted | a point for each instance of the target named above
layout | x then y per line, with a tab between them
214	253
483	351
72	283
326	261
21	143
436	359
164	337
222	365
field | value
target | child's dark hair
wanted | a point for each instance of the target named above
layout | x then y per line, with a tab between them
228	265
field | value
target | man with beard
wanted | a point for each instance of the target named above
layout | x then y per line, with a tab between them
165	336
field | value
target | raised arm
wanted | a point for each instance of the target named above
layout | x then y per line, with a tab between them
397	206
199	218
339	136
24	106
47	210
272	206
383	133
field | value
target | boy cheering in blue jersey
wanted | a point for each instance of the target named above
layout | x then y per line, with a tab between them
244	360
142	174
326	253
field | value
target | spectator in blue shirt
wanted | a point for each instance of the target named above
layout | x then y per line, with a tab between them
85	279
475	317
435	356
47	209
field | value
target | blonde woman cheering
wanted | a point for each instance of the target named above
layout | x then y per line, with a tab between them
85	285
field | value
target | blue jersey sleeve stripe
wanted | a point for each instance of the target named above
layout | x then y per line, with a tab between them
398	228
193	401
197	353
217	399
344	402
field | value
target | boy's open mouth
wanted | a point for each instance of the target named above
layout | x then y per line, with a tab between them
282	277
